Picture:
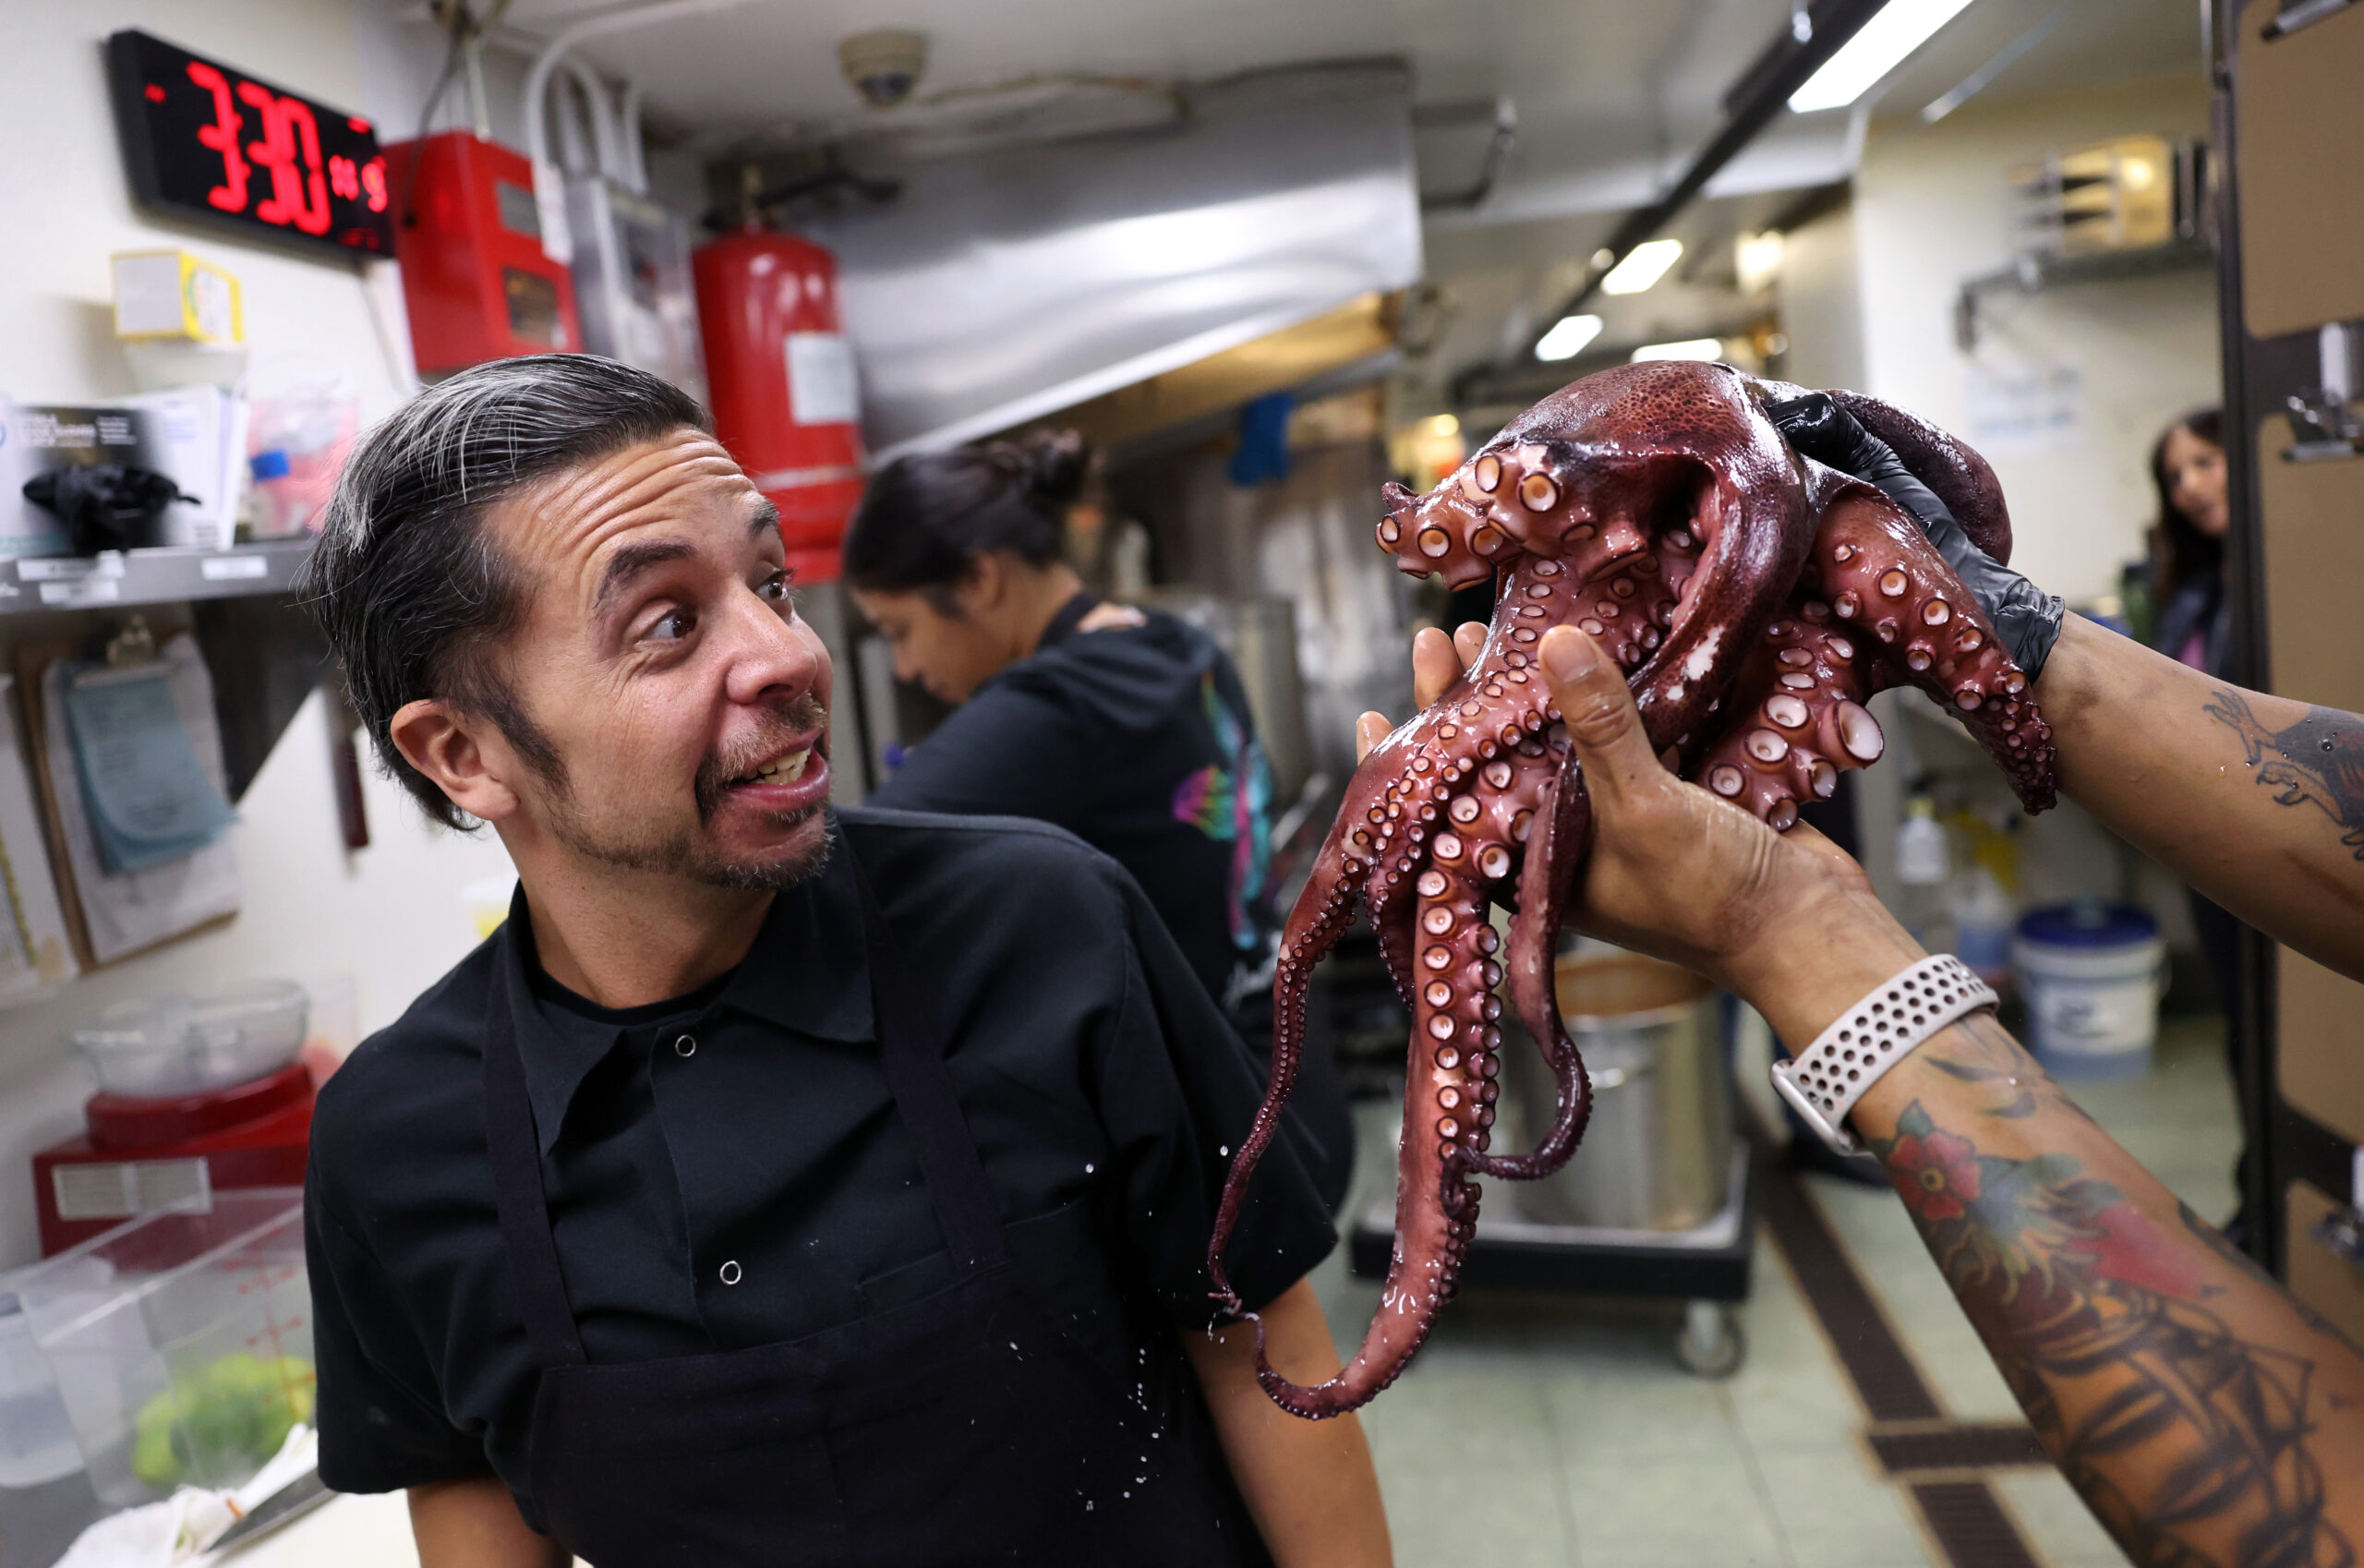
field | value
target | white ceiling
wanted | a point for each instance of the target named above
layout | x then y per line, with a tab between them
1611	96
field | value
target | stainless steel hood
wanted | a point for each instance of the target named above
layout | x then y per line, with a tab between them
1011	282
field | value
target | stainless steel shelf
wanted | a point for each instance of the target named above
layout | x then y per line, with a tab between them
2034	272
127	579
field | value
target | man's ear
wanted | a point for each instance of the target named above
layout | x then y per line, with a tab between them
451	748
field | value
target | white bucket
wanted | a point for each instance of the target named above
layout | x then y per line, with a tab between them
2091	973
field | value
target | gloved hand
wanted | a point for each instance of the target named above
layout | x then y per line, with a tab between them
2024	616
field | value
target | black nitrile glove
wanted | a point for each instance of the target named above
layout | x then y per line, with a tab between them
2024	616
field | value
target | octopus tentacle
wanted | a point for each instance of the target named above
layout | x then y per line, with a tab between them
1883	574
1448	1108
1552	853
1320	917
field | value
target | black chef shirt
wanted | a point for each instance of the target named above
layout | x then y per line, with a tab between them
748	1125
1139	741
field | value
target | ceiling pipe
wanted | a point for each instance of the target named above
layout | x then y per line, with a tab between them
1762	91
608	152
597	24
634	155
1502	116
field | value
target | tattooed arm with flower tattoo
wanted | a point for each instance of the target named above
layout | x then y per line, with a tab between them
2203	1415
2256	801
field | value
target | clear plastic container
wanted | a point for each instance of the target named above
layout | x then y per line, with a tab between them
45	1498
182	1341
188	1044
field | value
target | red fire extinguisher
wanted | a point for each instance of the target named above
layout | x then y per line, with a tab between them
787	403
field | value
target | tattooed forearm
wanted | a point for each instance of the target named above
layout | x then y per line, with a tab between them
1981	1051
2318	760
2187	1436
2214	1240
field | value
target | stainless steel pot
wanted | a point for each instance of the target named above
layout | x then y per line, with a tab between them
1657	1153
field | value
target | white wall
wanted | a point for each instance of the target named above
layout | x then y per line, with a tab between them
1822	302
390	916
1932	207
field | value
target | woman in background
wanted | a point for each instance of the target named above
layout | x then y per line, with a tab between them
2195	627
2195	618
1129	729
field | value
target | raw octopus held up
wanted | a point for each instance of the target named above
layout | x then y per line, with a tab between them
1755	599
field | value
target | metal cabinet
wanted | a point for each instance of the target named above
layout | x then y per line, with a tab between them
2292	290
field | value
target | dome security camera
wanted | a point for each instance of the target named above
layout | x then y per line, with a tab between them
883	64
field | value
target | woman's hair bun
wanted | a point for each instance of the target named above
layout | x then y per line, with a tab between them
926	514
1056	465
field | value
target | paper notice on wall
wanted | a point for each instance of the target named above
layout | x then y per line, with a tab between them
2024	406
822	386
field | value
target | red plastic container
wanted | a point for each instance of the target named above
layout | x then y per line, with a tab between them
137	1155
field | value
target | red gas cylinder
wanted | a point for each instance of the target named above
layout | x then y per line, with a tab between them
781	373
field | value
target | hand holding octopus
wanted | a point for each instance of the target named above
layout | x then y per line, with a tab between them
1648	523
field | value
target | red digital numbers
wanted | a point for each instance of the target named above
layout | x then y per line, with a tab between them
221	136
299	195
289	152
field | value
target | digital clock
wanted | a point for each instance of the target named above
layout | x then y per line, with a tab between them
212	145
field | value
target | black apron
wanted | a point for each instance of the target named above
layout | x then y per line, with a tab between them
962	1428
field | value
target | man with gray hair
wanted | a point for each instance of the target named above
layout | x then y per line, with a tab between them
778	1184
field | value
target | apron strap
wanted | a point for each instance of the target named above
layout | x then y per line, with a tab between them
517	1189
912	1055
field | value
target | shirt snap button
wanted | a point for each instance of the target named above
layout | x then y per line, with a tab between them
730	1275
686	1046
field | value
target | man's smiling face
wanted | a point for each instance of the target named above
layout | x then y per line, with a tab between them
683	701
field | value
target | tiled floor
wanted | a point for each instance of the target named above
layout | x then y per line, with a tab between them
1552	1431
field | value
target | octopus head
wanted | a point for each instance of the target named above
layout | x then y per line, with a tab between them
1625	462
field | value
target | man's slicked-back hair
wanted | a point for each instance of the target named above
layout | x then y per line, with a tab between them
405	581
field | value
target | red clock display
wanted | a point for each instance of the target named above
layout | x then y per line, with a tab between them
205	143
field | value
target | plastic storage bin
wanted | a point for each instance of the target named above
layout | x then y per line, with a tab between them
45	1498
190	1044
182	1341
2093	973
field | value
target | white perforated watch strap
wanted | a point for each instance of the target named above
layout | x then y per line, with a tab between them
1822	1081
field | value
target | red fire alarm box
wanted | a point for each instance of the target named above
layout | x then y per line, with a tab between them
468	234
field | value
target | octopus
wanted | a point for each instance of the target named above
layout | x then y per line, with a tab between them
1755	600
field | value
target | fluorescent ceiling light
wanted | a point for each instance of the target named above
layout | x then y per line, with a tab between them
1757	260
1688	348
1900	27
1644	265
1567	337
